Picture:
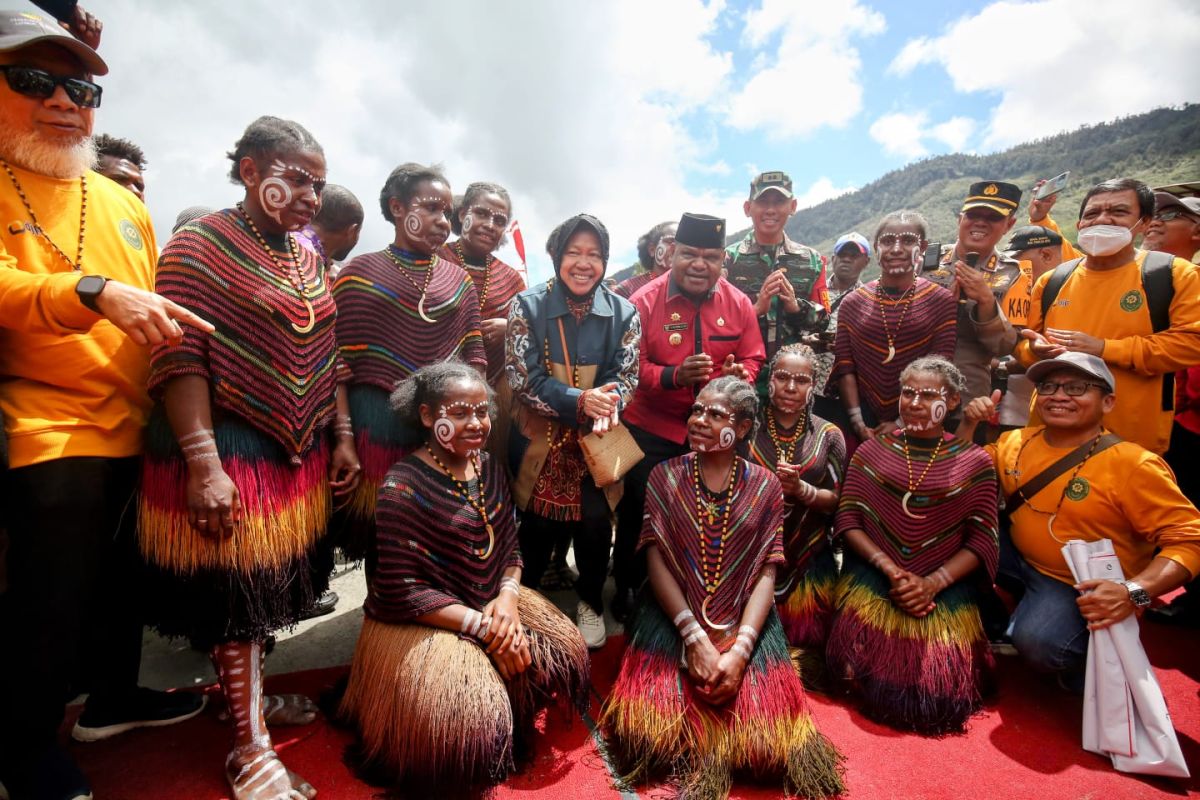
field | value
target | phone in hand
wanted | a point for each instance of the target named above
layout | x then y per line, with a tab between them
1052	186
933	257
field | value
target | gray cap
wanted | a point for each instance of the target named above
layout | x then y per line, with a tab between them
20	29
1086	363
1165	200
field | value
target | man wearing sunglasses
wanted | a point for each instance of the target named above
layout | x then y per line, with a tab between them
1071	479
77	257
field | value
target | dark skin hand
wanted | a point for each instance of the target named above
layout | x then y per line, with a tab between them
694	369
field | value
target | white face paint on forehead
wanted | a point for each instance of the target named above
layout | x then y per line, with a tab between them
279	168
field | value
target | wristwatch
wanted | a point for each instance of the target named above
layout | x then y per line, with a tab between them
89	289
1139	596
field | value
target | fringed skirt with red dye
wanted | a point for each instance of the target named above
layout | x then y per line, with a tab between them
658	727
275	564
433	716
925	674
377	436
804	599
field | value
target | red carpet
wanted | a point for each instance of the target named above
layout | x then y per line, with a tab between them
1025	746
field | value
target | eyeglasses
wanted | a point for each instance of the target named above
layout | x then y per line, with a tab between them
498	219
40	84
889	240
1072	388
1167	216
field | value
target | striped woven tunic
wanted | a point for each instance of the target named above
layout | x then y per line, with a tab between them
496	284
428	536
260	368
926	328
382	336
627	287
684	539
957	498
820	457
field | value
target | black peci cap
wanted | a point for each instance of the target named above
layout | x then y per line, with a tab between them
700	230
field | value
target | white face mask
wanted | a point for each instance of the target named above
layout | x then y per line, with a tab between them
1104	240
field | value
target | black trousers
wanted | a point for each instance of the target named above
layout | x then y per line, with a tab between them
592	537
69	620
629	566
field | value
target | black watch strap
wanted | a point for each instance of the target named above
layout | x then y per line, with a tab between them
89	288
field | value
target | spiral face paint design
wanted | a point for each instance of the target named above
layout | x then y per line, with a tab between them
937	411
913	398
727	438
413	223
274	195
444	430
770	389
660	253
468	221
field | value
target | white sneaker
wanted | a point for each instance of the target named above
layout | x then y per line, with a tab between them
591	626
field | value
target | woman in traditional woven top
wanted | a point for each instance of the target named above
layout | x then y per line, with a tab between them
572	362
455	659
885	325
808	455
706	687
918	516
399	309
248	437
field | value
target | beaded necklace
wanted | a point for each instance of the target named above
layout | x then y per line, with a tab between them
568	432
784	454
422	288
488	260
77	264
298	284
912	487
1066	488
480	505
906	298
712	577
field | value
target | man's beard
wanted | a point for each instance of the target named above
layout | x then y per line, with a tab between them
29	151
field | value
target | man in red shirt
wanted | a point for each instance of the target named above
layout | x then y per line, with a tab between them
695	326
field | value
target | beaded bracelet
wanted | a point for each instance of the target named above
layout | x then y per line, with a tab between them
944	575
203	457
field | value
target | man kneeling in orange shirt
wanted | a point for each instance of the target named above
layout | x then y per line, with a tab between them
1106	488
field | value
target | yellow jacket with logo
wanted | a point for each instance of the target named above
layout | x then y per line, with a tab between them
1110	305
71	383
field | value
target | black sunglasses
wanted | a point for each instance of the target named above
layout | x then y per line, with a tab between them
39	83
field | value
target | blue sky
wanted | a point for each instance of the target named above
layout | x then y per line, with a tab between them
634	110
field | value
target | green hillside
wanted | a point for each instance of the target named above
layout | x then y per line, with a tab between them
1159	147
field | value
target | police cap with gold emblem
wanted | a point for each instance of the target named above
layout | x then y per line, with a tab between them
700	230
996	195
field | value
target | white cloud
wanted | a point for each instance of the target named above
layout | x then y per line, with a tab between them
1077	61
907	135
813	77
572	106
822	189
900	134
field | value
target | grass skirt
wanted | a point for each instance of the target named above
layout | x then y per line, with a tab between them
433	716
926	674
658	727
273	567
377	437
806	613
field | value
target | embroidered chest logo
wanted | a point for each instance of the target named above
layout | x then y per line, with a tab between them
1078	489
1132	300
130	234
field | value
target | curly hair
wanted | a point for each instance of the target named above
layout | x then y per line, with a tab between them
474	192
270	136
339	209
796	349
741	396
117	148
905	216
428	386
402	183
951	375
